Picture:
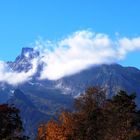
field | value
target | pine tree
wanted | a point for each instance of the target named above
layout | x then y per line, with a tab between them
10	123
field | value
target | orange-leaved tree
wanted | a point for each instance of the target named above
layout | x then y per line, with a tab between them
96	118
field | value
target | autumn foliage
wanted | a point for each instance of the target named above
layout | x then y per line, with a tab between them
96	118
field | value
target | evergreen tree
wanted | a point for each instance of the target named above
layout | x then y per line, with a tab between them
10	123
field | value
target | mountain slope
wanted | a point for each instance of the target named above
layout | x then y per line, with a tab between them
30	115
36	109
113	77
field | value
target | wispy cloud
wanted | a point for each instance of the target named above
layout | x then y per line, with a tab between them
127	45
14	78
73	54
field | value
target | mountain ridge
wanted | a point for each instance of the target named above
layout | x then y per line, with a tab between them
111	76
46	97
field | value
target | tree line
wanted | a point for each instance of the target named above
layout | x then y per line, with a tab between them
96	118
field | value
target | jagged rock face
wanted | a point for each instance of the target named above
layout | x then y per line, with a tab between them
23	61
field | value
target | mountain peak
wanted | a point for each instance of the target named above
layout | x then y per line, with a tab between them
27	54
23	61
27	50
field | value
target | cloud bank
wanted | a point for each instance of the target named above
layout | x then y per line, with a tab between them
73	54
14	78
82	50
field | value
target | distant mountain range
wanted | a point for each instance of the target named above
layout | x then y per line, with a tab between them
39	100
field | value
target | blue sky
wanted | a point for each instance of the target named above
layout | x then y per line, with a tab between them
22	22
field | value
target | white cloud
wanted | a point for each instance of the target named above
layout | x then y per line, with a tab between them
73	54
128	45
77	52
82	50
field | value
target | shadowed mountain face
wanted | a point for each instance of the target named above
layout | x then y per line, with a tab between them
38	108
30	115
40	100
112	77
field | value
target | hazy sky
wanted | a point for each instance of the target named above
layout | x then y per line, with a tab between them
22	22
